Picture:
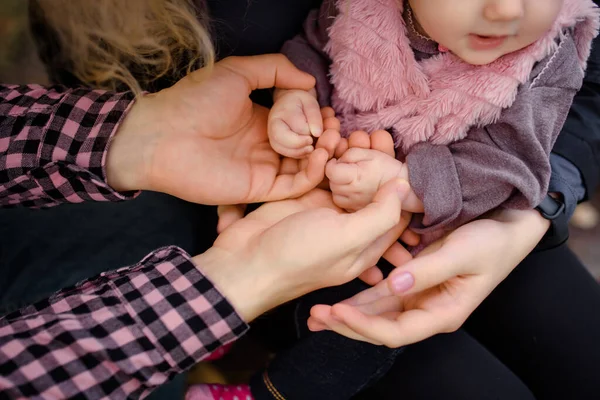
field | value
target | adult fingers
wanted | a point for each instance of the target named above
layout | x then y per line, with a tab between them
359	139
331	123
409	327
410	238
383	244
383	141
342	147
371	276
429	270
294	185
327	112
321	319
228	215
378	217
329	140
375	293
397	255
267	71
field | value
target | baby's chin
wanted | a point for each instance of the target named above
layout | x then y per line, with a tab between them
479	57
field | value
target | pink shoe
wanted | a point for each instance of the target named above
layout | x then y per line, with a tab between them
219	353
219	392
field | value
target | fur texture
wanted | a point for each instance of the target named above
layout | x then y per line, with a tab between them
379	84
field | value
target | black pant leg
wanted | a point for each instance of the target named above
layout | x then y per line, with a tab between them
323	365
543	322
448	367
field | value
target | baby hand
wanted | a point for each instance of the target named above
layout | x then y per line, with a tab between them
294	120
355	177
365	162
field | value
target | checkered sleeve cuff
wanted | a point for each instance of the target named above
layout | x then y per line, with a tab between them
53	144
118	335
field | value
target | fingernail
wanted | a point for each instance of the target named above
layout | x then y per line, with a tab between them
402	282
316	130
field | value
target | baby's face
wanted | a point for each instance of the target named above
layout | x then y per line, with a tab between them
481	31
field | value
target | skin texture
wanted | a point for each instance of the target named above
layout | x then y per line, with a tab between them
451	22
261	260
436	292
216	150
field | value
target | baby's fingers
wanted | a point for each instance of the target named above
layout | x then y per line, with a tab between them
340	173
288	142
312	114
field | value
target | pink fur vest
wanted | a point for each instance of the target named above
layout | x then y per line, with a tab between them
379	84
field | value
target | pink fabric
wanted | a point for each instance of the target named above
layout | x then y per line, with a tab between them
379	84
219	353
118	321
55	144
219	392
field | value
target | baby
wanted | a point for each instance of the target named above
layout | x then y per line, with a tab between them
473	94
460	84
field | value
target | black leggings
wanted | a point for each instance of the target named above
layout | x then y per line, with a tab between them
537	336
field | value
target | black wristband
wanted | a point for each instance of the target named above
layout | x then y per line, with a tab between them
553	210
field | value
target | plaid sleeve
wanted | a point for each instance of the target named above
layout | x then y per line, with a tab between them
53	144
116	336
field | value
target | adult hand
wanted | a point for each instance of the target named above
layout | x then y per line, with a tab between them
441	287
286	249
203	139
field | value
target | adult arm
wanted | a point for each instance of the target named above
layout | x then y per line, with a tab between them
120	334
53	144
162	137
125	332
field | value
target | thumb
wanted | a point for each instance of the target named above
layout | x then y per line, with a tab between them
379	216
267	71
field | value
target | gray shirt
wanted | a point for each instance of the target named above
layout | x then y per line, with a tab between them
506	164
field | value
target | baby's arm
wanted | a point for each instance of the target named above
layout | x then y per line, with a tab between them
505	164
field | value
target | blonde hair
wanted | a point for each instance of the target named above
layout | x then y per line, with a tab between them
105	40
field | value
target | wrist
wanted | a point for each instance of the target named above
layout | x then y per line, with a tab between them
242	284
128	150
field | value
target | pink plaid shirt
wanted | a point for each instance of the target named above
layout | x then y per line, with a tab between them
120	334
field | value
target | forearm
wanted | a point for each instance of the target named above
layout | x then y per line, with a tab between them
122	333
55	143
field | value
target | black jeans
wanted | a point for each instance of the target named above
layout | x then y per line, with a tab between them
42	251
320	365
537	336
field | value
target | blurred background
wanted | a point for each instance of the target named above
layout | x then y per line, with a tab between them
19	64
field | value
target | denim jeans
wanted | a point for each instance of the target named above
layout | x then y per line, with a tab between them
323	365
42	251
